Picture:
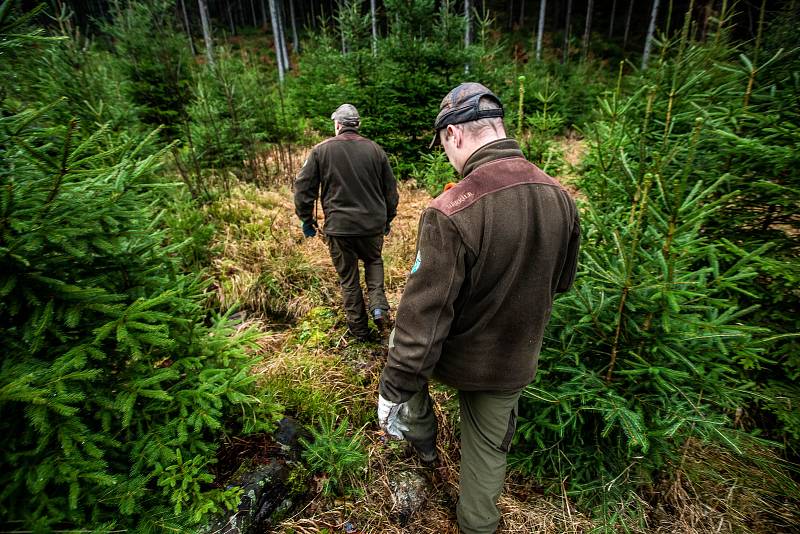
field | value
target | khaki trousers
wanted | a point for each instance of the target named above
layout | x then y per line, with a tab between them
345	254
488	422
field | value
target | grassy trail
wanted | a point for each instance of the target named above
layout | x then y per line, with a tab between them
287	288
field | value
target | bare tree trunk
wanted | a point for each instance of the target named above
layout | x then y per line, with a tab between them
282	28
467	16
566	32
231	25
587	31
273	15
295	39
611	22
253	13
206	30
521	13
188	28
542	10
627	25
510	14
374	28
468	31
341	29
264	23
648	43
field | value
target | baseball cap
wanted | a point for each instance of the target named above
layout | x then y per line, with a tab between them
462	105
346	114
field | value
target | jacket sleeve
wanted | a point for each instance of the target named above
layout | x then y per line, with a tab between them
389	184
426	308
571	263
306	188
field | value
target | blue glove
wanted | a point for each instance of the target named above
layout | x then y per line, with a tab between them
309	229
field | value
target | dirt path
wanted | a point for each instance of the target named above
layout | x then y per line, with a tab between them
287	288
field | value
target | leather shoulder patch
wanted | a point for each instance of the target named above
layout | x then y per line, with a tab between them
488	178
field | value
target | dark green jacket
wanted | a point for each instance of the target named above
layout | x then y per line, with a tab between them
492	252
352	176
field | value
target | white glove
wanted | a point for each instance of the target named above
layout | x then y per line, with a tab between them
388	412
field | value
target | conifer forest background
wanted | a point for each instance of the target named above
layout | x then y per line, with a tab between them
160	312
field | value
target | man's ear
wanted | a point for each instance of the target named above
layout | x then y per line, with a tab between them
456	134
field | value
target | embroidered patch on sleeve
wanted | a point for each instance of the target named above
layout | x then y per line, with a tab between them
417	263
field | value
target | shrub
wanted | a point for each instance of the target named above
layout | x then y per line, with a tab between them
115	385
154	59
648	351
341	458
434	172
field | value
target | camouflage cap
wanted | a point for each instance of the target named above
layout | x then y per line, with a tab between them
462	104
346	114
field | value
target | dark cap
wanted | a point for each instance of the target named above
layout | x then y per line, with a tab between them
346	114
462	104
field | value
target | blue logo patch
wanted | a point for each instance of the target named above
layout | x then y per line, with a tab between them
417	263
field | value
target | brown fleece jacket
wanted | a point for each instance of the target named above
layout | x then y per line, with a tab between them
492	252
352	176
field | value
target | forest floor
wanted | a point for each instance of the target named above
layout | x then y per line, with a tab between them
315	367
287	288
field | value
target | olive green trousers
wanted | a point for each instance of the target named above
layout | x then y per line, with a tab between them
345	254
488	422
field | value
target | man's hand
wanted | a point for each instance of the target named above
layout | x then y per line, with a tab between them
388	412
309	229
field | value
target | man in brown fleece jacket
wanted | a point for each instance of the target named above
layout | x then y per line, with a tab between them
492	252
352	176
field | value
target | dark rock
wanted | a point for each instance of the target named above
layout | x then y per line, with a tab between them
265	492
409	490
287	436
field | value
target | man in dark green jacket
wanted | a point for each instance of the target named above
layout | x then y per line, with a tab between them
492	252
352	176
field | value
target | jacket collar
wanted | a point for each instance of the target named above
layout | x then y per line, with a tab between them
348	129
498	149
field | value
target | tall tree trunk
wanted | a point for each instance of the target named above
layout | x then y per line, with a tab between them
510	14
273	15
648	43
264	22
231	25
204	18
468	18
587	31
282	27
468	31
253	13
521	13
374	28
295	38
627	25
566	32
340	9
611	22
188	28
542	10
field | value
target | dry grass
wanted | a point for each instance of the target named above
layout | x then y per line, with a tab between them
573	149
265	266
715	490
